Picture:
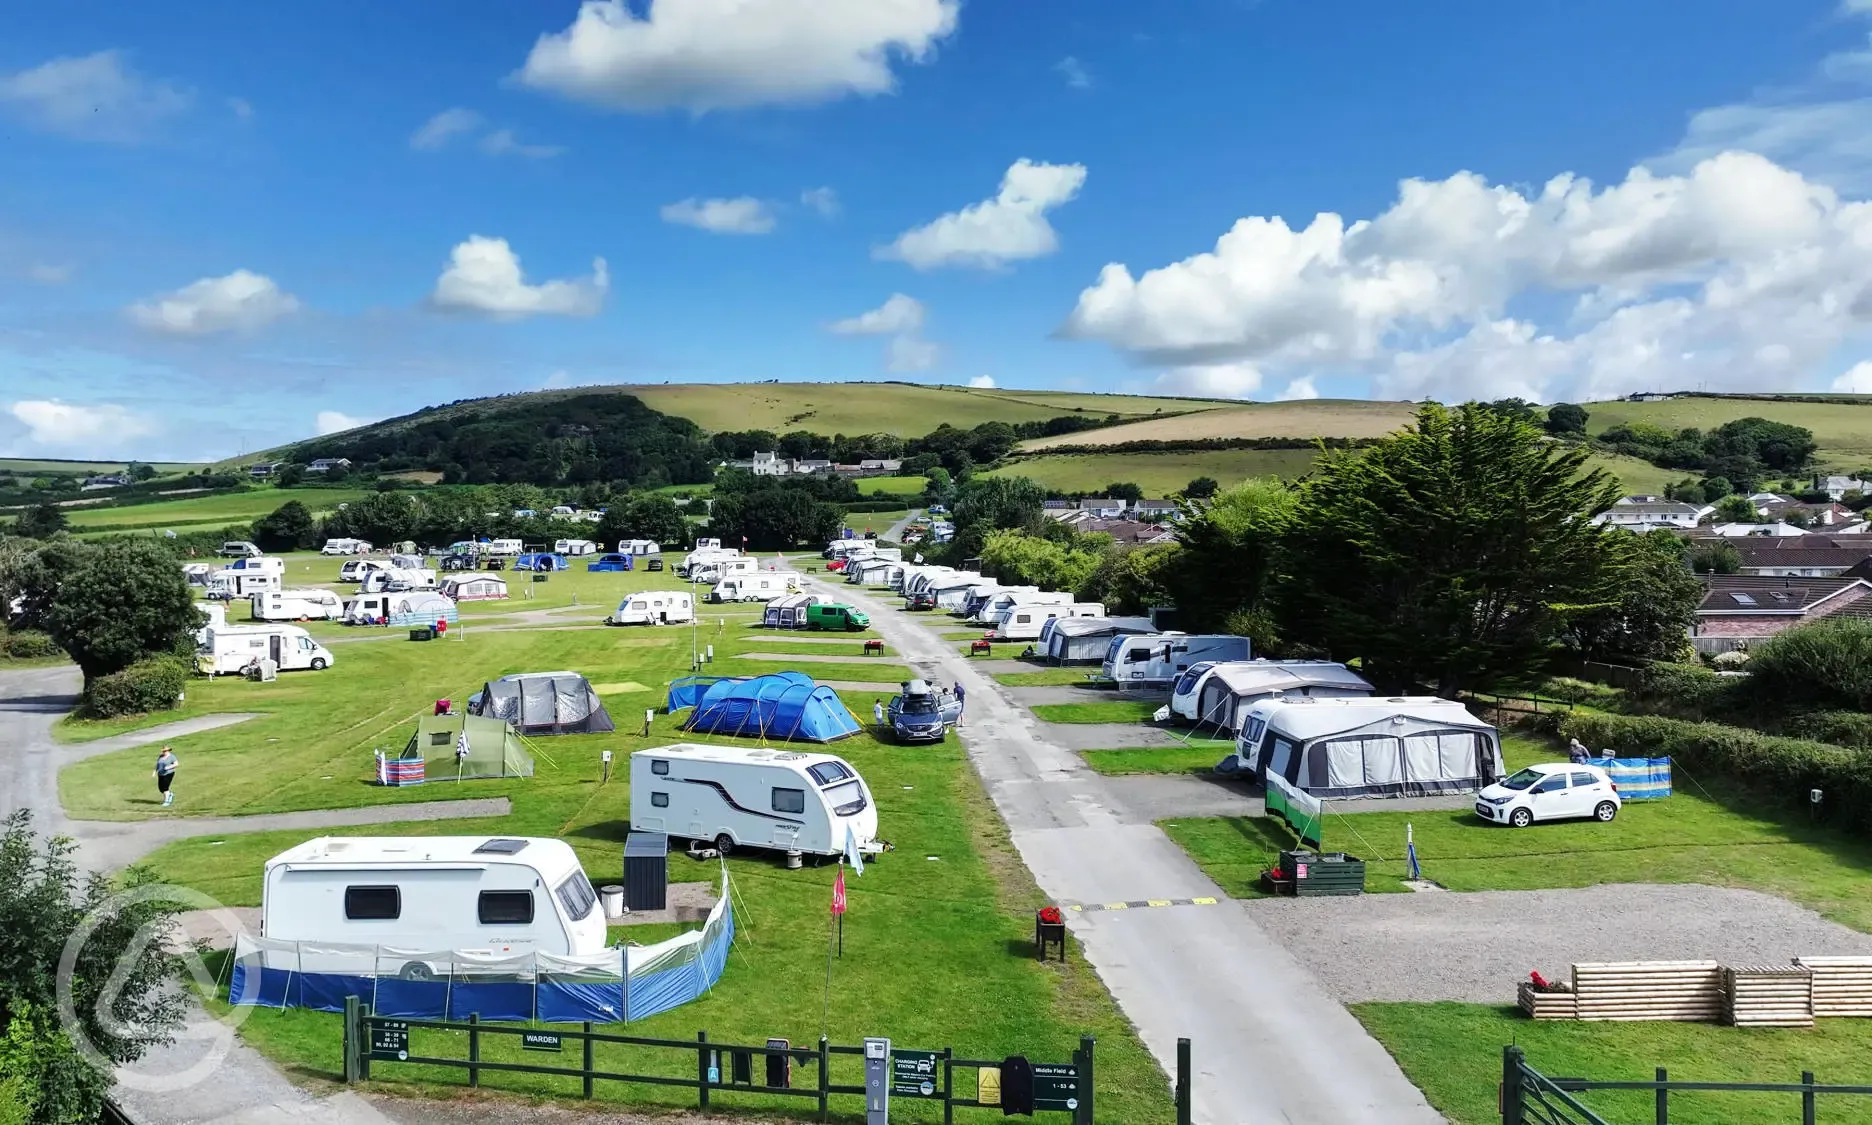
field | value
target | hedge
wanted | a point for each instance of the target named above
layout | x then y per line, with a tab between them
1777	769
148	685
27	645
888	504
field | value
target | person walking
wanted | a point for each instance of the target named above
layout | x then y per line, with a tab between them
1576	752
877	712
165	775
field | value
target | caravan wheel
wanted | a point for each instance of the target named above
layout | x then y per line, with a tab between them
724	844
417	971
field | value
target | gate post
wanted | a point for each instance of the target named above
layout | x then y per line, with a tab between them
351	1030
1513	1112
1086	1082
1663	1097
1807	1098
474	1048
702	1090
1183	1082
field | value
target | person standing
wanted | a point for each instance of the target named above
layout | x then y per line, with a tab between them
877	712
1576	752
165	775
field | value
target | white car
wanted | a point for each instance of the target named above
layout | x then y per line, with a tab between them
1553	791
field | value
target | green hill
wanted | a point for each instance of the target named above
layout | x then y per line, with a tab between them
1841	424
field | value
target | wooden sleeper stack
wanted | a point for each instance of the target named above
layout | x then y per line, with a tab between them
1842	986
1542	1004
1683	991
1769	995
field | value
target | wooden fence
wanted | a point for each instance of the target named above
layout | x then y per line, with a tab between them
1842	986
1768	996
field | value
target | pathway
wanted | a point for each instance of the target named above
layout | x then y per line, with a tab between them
1271	1044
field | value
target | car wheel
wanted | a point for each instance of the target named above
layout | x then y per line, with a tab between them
724	844
417	971
1605	812
318	664
1521	818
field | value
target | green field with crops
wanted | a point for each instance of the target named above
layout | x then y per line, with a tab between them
209	511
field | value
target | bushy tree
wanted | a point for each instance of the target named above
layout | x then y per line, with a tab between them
1018	559
1448	554
1202	488
1736	509
382	518
1124	490
122	984
41	521
1565	418
938	486
30	573
119	604
1657	601
289	475
656	518
1827	663
289	527
994	503
1129	581
774	519
1228	558
1720	557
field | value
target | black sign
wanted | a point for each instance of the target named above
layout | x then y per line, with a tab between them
540	1041
389	1039
1056	1086
916	1074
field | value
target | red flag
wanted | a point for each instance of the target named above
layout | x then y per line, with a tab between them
838	892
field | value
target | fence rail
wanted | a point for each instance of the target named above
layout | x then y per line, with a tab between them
1529	1097
1519	704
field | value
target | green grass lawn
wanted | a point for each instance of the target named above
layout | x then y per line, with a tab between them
225	508
998	650
1112	711
892	486
1049	677
1200	756
879	522
936	942
1453	1052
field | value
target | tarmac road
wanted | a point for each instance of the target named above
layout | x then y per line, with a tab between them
1269	1043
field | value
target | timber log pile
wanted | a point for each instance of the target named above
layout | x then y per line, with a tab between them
1557	1003
1687	991
1842	986
1769	995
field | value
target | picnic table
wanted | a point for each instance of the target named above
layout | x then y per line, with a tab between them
981	648
873	648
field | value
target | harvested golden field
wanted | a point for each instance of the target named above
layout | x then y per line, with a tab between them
1312	418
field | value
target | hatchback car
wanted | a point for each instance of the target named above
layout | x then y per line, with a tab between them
1554	791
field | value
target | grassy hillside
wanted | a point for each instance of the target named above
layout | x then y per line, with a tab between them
1315	418
1842	427
53	465
860	408
211	511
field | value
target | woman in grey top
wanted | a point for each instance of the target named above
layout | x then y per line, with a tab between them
165	774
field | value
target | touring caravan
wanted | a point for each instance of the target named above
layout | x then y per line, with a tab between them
740	797
1023	622
356	570
397	580
405	608
228	649
789	612
754	587
213	616
491	896
702	556
990	608
922	577
717	569
574	547
345	547
1084	640
196	574
1157	659
226	585
951	591
870	572
406	560
474	587
297	605
269	564
1338	748
639	547
1220	694
654	607
505	547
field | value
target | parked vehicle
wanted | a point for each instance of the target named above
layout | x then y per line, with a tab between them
420	607
616	561
838	618
654	607
575	547
922	712
229	649
705	554
1551	791
499	896
923	599
1157	659
269	563
1023	622
1398	746
655	563
715	570
345	547
226	585
406	560
508	547
297	605
238	549
754	587
397	580
639	547
740	797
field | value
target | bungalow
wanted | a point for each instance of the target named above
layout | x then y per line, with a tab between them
1807	515
1739	609
1836	488
1755	530
261	470
1150	511
1102	507
880	465
1808	556
811	465
327	464
1649	513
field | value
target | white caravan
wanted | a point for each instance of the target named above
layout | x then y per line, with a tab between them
297	605
355	570
345	547
754	587
420	607
472	894
1024	622
226	585
992	606
396	579
214	616
1085	609
952	590
406	561
639	547
869	572
1220	694
718	569
739	797
575	547
703	557
654	607
266	564
228	649
504	547
1157	659
920	578
1404	746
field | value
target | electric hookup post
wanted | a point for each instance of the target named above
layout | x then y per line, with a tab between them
877	1070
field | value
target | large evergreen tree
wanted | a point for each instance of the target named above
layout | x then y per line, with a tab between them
121	603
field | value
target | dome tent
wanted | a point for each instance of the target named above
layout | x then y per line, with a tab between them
544	703
785	705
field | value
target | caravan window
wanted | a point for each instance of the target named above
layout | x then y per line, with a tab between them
372	904
825	773
789	800
505	908
659	800
661	769
1137	656
577	896
846	799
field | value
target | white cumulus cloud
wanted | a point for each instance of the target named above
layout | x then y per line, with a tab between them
905	354
94	97
484	278
1858	378
56	424
821	199
502	142
702	55
897	314
240	301
982	382
331	422
444	127
741	215
1073	73
1011	227
1299	390
1211	380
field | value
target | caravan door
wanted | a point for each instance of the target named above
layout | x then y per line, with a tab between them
276	650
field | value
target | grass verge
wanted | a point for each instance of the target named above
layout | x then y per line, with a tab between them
1200	756
1114	711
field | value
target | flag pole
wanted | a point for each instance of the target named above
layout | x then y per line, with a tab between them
825	1008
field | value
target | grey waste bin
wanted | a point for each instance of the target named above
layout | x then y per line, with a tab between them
646	871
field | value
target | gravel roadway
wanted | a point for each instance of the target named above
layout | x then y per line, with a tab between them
1476	947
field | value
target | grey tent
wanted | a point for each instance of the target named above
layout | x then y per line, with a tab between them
1083	640
544	703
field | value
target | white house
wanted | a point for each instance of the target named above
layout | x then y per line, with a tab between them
327	464
1648	513
770	465
1102	507
1755	530
1836	488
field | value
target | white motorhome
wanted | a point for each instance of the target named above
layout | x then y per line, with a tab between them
227	649
504	547
226	585
1157	659
1024	622
754	587
355	570
470	894
718	569
740	797
575	547
214	616
297	605
269	564
345	547
654	607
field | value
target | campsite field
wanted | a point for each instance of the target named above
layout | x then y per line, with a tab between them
1199	755
938	931
204	511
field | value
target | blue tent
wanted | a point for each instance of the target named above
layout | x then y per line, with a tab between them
785	705
687	691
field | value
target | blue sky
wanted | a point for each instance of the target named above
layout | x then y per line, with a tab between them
226	225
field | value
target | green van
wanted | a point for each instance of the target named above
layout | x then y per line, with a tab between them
840	618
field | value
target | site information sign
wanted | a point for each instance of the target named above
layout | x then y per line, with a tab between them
389	1039
916	1074
1056	1086
540	1041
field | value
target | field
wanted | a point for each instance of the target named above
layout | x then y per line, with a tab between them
53	465
938	935
1158	474
1352	418
1843	428
892	486
211	511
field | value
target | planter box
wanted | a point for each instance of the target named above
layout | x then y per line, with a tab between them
1540	1005
1327	873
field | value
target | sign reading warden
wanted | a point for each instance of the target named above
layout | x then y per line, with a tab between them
540	1041
389	1039
915	1074
1056	1086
